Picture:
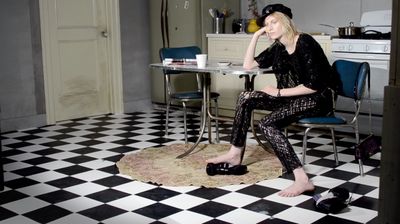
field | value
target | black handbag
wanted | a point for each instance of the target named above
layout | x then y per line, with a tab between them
368	147
372	143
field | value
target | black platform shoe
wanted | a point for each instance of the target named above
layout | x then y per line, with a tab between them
225	169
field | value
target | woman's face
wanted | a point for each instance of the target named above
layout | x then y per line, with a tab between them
273	27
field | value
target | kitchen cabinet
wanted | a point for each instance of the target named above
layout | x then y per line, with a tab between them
232	48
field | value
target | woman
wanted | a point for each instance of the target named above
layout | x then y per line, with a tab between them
303	75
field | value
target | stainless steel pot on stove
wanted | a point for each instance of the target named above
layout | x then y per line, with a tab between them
347	31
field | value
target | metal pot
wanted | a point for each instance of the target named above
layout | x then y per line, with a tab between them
347	31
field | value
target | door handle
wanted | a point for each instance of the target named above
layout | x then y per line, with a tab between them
104	34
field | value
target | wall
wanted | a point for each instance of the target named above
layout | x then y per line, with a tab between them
308	14
21	86
135	54
22	99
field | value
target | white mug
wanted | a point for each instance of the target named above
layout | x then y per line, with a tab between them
201	60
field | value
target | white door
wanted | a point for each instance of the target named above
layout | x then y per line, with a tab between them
78	74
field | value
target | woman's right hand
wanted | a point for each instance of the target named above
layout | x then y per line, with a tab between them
261	31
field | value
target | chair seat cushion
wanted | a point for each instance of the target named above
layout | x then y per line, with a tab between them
192	95
322	120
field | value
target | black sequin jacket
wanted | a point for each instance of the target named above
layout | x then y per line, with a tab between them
307	65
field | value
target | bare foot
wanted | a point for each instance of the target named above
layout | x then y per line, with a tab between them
297	188
233	157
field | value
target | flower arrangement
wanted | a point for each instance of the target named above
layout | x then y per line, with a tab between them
222	13
252	9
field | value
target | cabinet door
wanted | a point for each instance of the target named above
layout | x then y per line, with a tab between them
226	50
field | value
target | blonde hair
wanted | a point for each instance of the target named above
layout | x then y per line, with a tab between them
289	29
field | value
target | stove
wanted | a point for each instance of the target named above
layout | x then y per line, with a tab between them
373	46
366	46
374	40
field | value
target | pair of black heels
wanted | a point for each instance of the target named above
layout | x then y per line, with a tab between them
225	169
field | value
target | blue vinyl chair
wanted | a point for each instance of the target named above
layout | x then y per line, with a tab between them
184	97
353	77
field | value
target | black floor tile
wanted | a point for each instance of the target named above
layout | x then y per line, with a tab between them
47	214
107	195
213	209
102	212
57	196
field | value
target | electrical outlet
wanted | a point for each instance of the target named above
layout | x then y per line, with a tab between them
186	5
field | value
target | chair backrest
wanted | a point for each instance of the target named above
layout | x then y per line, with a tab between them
353	77
188	52
179	53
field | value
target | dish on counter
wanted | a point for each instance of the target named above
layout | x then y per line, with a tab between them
224	64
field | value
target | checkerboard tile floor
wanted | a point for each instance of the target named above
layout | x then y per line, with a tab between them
66	173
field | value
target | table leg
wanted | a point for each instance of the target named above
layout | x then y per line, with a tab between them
207	115
204	118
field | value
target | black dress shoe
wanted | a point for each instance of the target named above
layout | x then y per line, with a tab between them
225	169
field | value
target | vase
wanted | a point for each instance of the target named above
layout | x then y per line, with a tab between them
252	26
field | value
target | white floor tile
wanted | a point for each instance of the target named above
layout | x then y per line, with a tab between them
292	201
373	194
366	180
132	202
299	215
69	147
186	217
326	182
18	219
91	175
47	176
85	188
97	164
184	201
58	164
142	145
79	204
128	218
236	199
37	189
25	205
316	170
135	187
241	216
362	215
74	218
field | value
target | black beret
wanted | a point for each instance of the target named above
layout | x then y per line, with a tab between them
269	9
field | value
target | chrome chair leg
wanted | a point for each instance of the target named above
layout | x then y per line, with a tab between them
335	153
360	162
361	167
184	122
209	130
167	118
305	145
216	122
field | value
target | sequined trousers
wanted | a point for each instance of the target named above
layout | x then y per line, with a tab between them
283	111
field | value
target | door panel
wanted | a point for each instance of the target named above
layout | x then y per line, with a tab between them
80	79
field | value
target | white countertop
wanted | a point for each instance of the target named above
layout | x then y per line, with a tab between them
246	35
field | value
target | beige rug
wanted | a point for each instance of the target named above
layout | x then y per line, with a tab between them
160	166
